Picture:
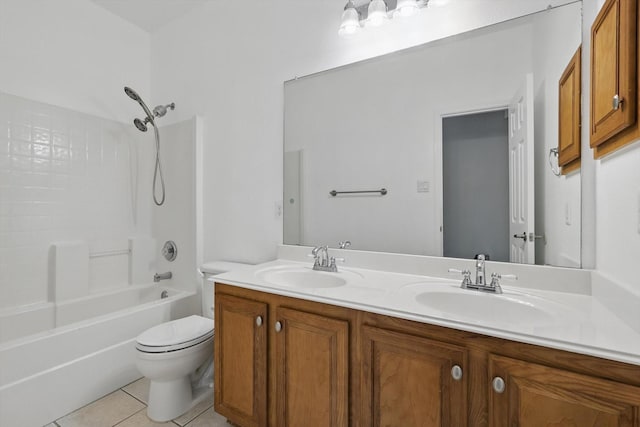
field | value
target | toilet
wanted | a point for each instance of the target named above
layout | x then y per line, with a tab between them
177	356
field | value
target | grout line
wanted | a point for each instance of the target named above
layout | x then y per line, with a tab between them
121	421
144	403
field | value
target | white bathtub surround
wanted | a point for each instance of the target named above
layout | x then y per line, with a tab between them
66	368
69	270
66	176
142	259
565	314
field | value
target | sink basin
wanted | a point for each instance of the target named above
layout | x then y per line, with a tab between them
478	306
303	278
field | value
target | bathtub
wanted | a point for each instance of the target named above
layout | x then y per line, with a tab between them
55	358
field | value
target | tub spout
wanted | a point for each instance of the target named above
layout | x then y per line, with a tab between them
162	276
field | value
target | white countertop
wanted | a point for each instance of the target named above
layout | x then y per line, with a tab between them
580	322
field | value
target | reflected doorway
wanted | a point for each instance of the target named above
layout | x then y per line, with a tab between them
475	164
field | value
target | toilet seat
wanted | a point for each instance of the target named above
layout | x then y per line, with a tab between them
175	335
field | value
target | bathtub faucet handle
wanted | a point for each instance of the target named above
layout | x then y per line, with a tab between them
162	276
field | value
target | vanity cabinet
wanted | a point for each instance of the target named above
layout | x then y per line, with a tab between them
282	361
527	394
411	381
240	359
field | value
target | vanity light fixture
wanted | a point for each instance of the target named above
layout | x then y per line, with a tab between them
374	13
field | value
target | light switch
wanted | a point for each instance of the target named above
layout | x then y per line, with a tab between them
423	186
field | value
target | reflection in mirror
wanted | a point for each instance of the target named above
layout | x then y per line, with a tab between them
457	131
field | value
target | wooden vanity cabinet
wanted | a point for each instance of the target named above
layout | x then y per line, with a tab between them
535	395
408	380
331	366
240	360
281	361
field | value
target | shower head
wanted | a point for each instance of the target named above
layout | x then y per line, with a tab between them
140	125
132	94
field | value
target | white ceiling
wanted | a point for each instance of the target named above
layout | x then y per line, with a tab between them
149	14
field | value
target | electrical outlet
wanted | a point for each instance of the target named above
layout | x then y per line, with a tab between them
423	186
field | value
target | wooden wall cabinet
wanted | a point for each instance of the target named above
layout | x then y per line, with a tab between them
614	96
569	113
332	366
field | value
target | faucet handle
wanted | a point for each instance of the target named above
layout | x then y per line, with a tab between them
495	280
466	277
344	244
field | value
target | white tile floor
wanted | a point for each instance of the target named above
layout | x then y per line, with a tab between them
127	407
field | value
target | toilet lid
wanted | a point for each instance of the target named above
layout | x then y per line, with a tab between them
176	334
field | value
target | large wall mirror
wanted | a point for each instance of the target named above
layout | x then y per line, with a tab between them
457	132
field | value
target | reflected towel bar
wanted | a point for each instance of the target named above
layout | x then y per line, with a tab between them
382	192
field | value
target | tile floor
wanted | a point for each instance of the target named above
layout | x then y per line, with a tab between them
127	407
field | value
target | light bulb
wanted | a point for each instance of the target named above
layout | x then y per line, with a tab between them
406	8
350	22
377	13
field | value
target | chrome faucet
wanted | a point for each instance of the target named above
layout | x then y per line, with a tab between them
162	276
323	262
481	284
480	271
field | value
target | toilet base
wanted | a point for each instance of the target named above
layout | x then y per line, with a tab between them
170	399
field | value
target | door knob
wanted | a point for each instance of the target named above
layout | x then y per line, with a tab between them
498	385
522	236
259	321
278	327
456	372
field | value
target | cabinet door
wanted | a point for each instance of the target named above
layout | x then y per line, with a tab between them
569	115
407	381
613	70
312	375
240	392
539	396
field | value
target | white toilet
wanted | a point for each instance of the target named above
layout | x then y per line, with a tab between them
169	355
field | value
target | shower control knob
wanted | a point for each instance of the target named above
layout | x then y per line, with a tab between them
170	250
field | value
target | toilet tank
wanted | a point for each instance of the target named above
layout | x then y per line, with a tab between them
209	271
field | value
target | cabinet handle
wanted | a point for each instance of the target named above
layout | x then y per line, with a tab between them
617	100
498	385
259	321
278	326
456	372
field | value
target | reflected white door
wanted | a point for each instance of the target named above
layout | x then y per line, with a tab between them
521	180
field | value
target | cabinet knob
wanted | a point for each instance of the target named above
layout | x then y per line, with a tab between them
617	100
456	372
259	321
278	326
498	385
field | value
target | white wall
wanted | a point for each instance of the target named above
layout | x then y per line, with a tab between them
610	192
67	148
356	137
227	61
